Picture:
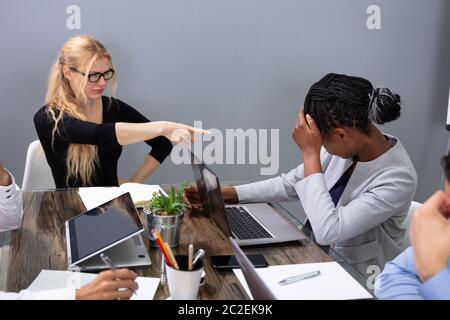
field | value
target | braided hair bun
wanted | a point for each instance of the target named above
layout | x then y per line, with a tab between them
341	100
384	106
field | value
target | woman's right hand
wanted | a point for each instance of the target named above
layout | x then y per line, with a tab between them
191	200
179	132
5	178
230	195
109	285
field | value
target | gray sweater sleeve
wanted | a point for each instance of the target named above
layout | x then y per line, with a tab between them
281	188
391	191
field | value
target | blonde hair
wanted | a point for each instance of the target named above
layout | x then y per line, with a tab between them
78	52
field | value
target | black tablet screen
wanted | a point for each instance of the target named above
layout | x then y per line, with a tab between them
103	226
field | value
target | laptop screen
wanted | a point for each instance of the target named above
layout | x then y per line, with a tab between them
103	226
256	284
208	186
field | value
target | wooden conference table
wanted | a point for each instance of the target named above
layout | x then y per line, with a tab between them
40	244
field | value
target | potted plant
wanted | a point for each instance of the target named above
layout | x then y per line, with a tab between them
165	213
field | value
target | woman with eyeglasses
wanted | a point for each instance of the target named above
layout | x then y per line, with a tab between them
82	131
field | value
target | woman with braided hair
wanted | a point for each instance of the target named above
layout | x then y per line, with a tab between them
355	183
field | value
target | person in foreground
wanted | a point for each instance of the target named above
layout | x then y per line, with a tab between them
423	270
356	183
108	285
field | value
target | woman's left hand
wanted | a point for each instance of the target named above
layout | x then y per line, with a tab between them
306	134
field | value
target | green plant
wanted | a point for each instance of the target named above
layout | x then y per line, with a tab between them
163	205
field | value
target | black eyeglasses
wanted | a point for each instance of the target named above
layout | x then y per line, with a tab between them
95	77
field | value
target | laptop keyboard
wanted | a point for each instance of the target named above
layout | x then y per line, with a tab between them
244	225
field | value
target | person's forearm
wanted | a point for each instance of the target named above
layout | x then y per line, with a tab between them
145	170
130	133
311	162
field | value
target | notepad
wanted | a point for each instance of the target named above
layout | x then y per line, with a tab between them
56	279
334	283
92	197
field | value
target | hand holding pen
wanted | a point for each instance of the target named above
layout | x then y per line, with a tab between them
107	260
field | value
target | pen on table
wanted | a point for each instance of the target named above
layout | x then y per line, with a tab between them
198	255
190	254
107	260
300	277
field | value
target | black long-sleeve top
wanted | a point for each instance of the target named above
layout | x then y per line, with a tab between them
72	130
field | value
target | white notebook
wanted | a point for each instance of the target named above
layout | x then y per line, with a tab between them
334	283
92	197
56	279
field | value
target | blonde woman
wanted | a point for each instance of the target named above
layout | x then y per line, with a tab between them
82	131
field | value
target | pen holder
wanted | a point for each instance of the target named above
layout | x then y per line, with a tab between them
168	226
184	284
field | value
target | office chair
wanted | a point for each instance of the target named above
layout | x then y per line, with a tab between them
37	174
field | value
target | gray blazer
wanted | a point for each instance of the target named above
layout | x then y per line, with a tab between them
365	227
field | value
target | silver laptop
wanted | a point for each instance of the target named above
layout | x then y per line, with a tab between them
113	228
250	224
255	283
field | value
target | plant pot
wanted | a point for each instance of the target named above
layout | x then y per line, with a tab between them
168	226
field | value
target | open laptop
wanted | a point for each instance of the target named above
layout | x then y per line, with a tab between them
255	283
252	224
113	228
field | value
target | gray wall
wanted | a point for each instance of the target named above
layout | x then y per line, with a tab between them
235	64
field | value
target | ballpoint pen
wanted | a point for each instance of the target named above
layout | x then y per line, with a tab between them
198	255
300	277
190	256
107	260
162	276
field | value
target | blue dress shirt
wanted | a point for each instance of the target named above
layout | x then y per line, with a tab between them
400	281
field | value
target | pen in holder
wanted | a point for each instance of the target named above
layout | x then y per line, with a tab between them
163	270
184	283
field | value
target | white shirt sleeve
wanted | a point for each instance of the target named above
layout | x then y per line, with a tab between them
56	294
10	206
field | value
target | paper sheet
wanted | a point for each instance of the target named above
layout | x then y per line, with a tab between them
334	283
56	279
94	196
